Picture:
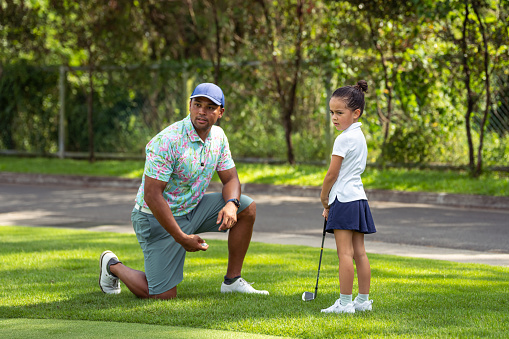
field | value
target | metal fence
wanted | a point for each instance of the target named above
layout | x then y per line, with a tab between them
47	115
499	117
131	104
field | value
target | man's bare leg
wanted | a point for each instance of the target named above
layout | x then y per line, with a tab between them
239	238
136	282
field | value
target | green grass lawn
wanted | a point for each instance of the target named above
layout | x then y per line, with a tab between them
80	329
490	183
50	273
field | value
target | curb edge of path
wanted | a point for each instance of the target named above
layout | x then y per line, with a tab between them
440	199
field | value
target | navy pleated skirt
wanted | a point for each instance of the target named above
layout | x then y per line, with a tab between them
353	215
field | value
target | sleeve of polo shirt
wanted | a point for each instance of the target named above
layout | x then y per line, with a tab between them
225	161
159	159
341	146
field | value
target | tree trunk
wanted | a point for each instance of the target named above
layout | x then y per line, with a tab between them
90	113
218	56
287	123
470	94
478	169
386	120
286	105
290	110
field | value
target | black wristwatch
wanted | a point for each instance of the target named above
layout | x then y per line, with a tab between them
235	201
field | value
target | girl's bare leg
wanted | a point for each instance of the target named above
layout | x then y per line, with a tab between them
361	263
344	244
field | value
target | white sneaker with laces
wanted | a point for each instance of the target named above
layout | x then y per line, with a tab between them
338	308
242	286
364	306
108	282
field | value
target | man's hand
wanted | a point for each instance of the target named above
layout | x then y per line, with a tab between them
193	243
227	216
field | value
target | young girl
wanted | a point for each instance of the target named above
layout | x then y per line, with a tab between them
344	200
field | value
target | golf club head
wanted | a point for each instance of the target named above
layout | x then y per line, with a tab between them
307	296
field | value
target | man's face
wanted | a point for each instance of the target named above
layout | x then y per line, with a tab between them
204	114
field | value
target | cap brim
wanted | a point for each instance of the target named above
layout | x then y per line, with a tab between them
206	96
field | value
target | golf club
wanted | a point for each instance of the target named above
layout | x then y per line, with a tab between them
307	296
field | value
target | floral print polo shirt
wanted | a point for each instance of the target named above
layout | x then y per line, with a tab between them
178	156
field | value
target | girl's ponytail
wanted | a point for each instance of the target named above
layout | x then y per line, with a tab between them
362	85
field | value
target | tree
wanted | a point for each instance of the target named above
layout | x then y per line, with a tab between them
277	21
476	71
96	32
22	86
432	67
391	36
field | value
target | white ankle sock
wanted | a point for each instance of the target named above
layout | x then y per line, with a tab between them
362	297
345	299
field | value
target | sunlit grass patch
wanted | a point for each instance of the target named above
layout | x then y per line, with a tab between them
52	273
399	179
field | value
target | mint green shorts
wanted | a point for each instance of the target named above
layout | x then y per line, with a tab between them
164	257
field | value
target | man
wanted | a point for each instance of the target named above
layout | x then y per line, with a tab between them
171	207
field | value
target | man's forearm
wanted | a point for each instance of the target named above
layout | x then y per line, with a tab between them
162	212
231	190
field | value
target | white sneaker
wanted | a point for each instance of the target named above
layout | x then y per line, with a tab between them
338	308
242	286
364	306
109	283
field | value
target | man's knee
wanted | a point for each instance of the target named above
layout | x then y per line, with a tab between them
166	295
249	212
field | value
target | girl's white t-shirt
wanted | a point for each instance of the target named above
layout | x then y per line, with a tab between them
351	146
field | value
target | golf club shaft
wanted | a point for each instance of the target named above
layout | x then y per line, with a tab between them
321	252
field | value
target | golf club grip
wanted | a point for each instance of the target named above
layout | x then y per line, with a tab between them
321	252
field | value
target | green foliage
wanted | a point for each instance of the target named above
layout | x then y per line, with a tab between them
496	151
120	124
148	55
51	273
408	146
28	108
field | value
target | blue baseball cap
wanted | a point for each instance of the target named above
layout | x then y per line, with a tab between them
211	91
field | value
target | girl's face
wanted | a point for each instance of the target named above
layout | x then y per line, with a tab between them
342	116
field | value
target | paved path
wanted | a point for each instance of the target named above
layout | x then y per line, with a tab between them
417	230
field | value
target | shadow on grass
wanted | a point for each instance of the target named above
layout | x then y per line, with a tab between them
51	328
